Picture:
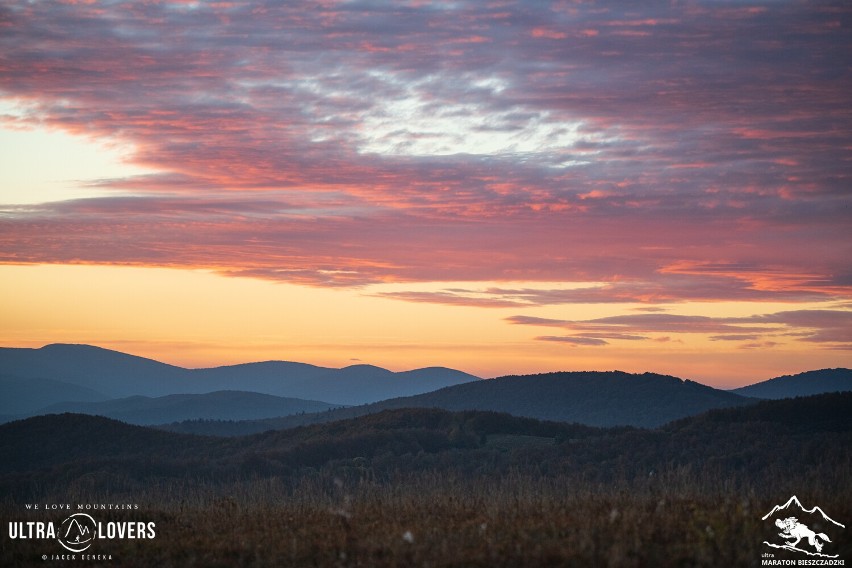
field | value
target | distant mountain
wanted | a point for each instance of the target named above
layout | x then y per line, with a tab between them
109	372
803	384
117	375
219	405
359	384
279	378
356	384
594	398
20	396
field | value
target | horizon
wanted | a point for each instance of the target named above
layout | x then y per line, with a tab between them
496	188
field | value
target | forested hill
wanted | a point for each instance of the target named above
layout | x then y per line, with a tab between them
613	398
810	436
802	384
52	441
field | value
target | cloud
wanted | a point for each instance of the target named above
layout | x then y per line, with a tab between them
734	337
532	320
759	345
831	329
659	153
450	299
574	340
760	285
590	339
821	326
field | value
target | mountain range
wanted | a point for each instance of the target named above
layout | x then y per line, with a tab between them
254	397
108	374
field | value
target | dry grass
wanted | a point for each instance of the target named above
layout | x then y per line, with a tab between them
432	520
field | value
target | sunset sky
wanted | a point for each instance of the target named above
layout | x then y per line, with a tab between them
499	187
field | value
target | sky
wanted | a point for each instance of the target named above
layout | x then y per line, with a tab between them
499	187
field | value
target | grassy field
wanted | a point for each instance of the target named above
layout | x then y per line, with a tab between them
432	520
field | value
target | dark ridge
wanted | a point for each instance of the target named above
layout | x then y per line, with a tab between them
803	384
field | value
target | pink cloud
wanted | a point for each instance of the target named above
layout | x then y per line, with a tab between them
704	161
548	33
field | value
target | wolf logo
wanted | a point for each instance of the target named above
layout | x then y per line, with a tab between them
791	528
786	517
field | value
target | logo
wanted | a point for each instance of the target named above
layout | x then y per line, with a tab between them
802	530
77	532
80	531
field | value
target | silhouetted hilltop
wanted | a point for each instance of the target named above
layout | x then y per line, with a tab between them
268	377
109	372
43	442
802	384
596	398
119	375
219	405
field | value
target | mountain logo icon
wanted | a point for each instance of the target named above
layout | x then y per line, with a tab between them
77	532
796	535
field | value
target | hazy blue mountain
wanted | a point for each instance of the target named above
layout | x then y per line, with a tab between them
119	375
594	398
23	395
356	384
219	405
279	378
109	372
359	384
803	384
